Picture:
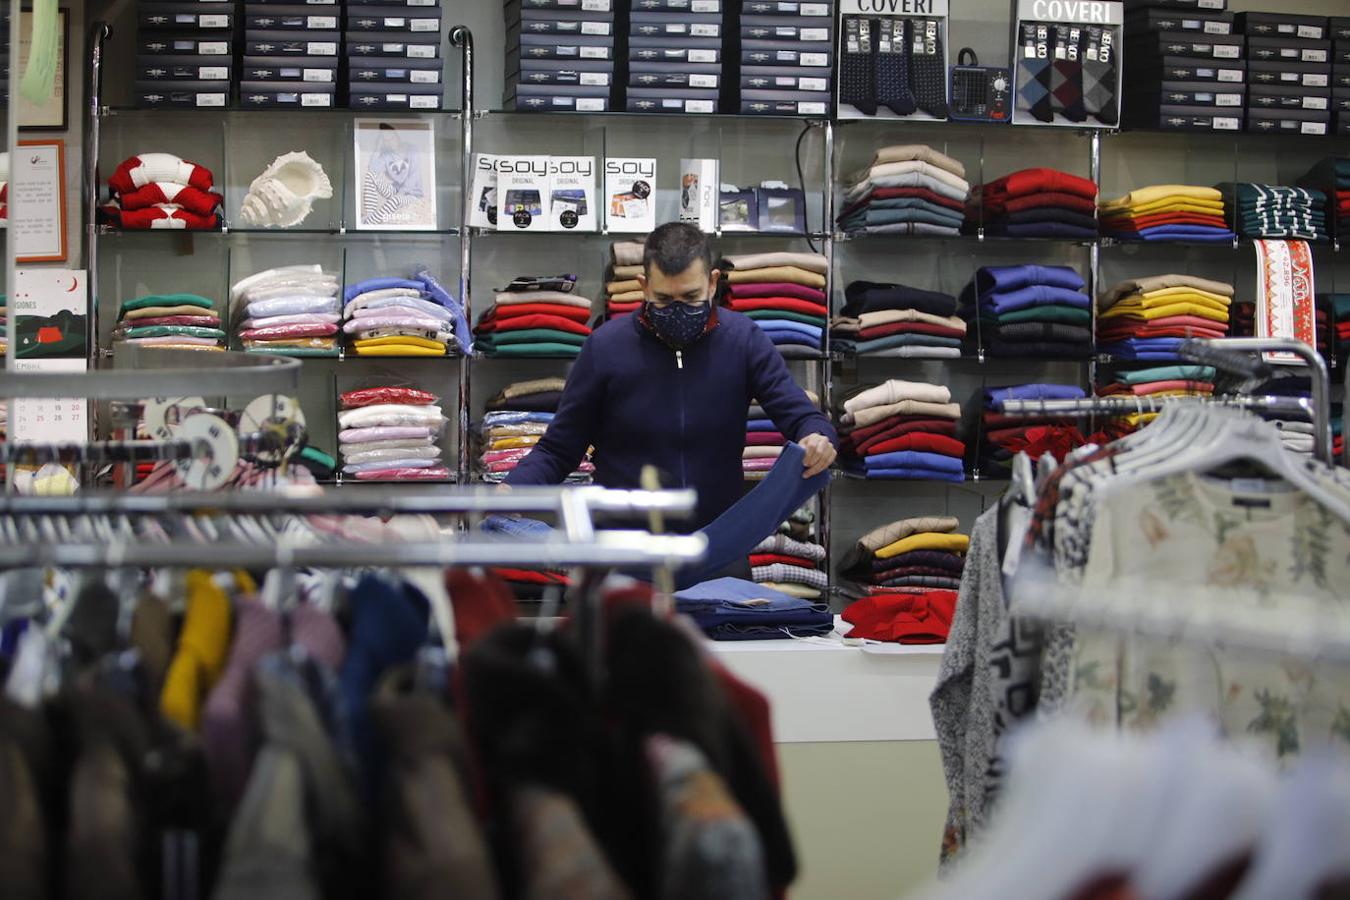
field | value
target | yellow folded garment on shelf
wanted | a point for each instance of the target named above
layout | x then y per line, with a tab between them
1170	297
397	350
1162	210
789	274
927	540
435	348
622	287
323	343
1148	314
514	443
524	428
628	297
1161	192
792	590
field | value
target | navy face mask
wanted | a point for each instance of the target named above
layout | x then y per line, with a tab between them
678	324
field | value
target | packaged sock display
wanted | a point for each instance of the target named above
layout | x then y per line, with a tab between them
767	287
907	189
391	434
1068	72
290	310
161	191
893	320
185	55
560	57
630	195
892	65
1148	318
539	323
902	430
175	321
1029	311
674	58
404	317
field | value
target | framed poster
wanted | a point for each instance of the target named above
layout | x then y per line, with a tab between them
37	200
50	114
396	175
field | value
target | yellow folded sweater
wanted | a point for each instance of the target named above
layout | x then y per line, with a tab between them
1163	192
928	540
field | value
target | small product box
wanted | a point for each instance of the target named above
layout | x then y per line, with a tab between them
699	193
571	193
484	213
522	193
630	194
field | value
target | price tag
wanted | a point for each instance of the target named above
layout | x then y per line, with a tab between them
699	106
1314	102
214	21
595	79
601	28
590	104
1226	123
322	48
1312	32
321	22
1227	51
423	25
213	73
1314	128
424	76
317	75
425	101
702	56
316	99
1227	99
595	53
422	51
210	99
703	81
1231	75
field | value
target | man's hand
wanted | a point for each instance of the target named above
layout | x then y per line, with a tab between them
820	454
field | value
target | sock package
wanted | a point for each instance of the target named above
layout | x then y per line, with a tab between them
893	64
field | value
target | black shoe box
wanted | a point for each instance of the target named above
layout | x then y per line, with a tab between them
784	78
182	94
1186	93
568	47
1262	24
557	98
677	6
1293	121
537	21
1143	21
1202	5
795	31
1180	44
275	95
186	18
323	44
1339	26
380	20
320	7
184	68
749	107
696	56
1192	118
675	25
679	80
396	96
403	71
584	72
316	70
687	43
1264	49
569	6
1262	98
786	8
157	44
365	45
671	100
1173	68
792	58
291	18
1289	74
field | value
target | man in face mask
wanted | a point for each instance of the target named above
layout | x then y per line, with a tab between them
669	385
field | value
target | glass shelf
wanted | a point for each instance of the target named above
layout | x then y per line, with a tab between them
618	236
1024	127
623	115
968	356
233	111
113	231
846	238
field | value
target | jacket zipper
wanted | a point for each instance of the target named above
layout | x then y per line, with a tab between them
679	367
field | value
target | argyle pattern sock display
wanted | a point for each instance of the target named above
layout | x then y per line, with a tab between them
927	67
857	84
1099	76
1066	74
1033	72
892	68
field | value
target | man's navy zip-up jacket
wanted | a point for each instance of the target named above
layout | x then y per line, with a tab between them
637	402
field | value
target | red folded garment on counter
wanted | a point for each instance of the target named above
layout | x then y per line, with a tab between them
764	439
902	616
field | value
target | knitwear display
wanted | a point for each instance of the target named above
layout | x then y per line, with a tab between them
159	191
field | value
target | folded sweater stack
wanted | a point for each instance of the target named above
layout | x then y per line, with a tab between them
1036	203
893	320
404	317
1158	382
623	295
785	294
1167	212
390	434
516	419
1331	176
909	572
764	443
177	321
1339	307
160	190
1148	318
1029	311
1003	436
522	323
291	310
1273	211
790	566
906	189
4	323
903	430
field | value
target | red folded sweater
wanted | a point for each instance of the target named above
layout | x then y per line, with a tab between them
1036	181
768	559
131	174
903	616
520	323
778	289
880	331
864	438
158	217
922	441
791	304
190	198
509	310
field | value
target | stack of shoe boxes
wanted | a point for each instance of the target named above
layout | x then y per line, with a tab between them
394	55
784	52
184	54
675	61
1340	73
291	55
560	55
1186	68
1288	73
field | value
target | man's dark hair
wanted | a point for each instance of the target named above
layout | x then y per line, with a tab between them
674	247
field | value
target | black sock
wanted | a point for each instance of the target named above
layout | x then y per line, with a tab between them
1099	76
927	67
857	82
1033	72
1066	73
892	68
